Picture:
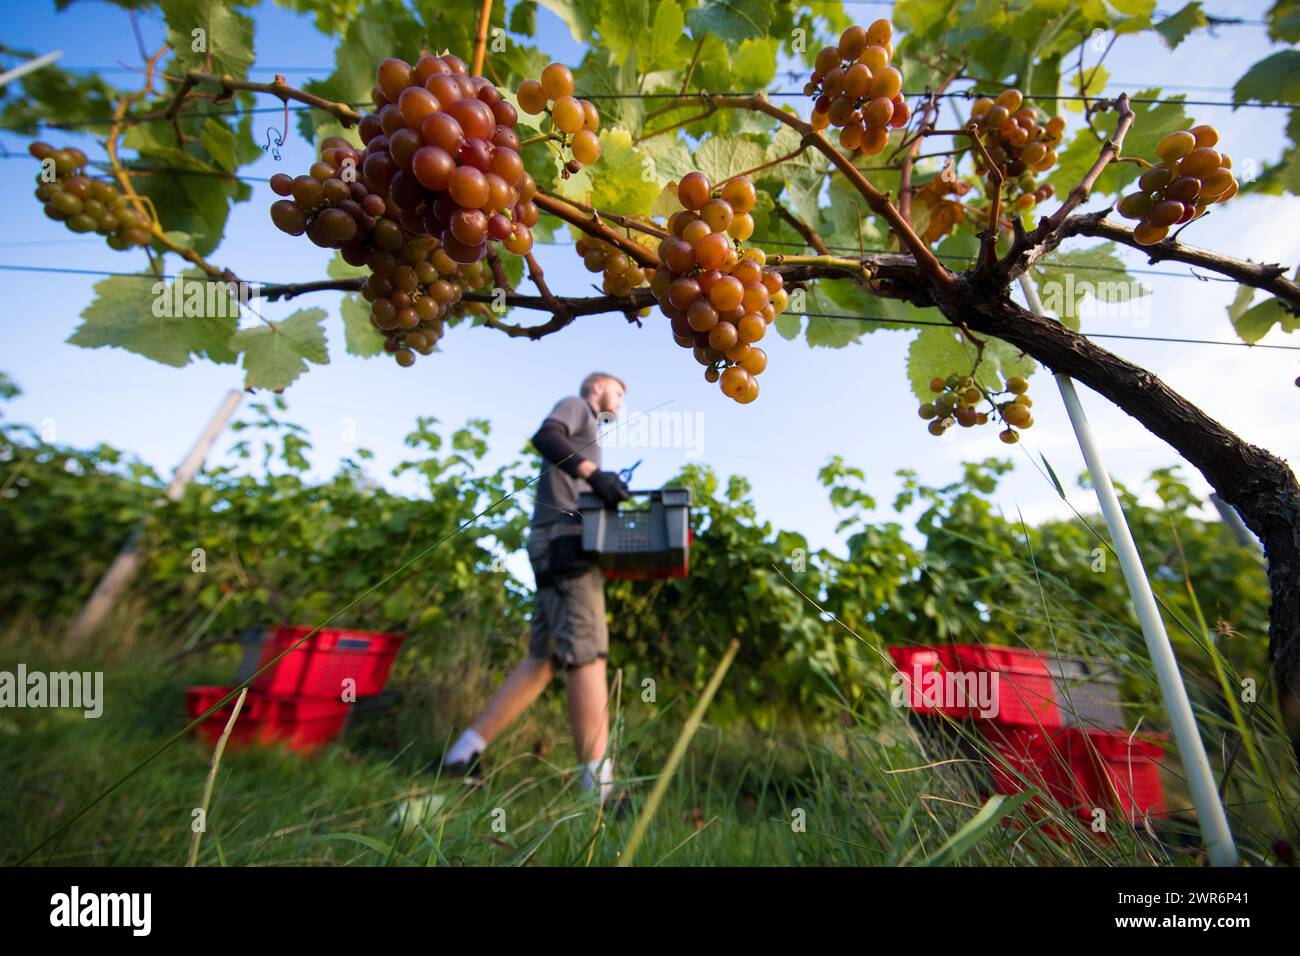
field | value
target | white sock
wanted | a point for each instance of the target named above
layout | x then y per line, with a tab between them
605	768
469	744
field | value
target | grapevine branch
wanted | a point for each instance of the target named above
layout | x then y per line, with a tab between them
801	227
278	87
1023	248
592	226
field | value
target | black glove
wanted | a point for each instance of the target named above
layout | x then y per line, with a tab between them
609	486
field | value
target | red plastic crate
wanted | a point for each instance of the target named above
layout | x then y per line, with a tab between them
304	723
1122	773
318	667
1043	759
929	659
1026	694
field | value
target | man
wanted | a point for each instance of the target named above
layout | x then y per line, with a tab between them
569	631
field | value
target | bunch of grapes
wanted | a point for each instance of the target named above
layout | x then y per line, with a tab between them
856	89
334	207
1018	144
620	273
84	204
443	148
577	121
957	397
719	300
1192	174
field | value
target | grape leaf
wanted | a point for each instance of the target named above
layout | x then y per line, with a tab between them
671	159
600	78
1254	322
276	353
666	34
829	326
1274	79
1175	28
1284	21
936	352
360	337
731	20
625	180
209	35
1066	281
622	26
719	157
160	321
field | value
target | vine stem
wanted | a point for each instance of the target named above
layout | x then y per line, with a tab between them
278	87
480	40
592	226
989	243
878	201
624	221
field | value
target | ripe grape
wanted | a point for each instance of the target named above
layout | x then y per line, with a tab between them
1192	176
557	81
586	147
693	190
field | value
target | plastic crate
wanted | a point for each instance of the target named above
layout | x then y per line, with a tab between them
928	659
1087	692
1025	691
1047	760
639	543
319	666
303	723
1122	774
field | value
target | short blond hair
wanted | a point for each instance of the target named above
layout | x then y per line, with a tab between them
589	383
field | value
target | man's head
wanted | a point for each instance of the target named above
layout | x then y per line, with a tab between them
603	391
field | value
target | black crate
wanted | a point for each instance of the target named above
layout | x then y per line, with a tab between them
653	538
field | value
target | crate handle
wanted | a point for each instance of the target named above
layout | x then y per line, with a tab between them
353	643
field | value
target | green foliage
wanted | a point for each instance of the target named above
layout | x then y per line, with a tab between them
814	624
1176	27
1254	322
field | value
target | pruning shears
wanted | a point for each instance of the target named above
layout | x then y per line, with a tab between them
626	474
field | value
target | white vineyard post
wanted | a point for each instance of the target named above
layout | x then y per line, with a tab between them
1210	814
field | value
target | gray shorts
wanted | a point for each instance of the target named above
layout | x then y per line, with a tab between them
569	626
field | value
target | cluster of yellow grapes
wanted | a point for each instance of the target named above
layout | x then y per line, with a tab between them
620	273
84	204
578	120
719	299
856	89
956	397
1191	175
1018	144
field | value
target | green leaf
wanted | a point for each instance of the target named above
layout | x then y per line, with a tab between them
939	352
1066	281
160	321
1274	79
1256	322
1284	21
826	329
276	353
201	29
935	352
1152	121
731	20
720	157
622	26
600	78
625	179
360	337
666	32
1175	28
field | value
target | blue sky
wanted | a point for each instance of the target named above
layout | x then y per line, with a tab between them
816	403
